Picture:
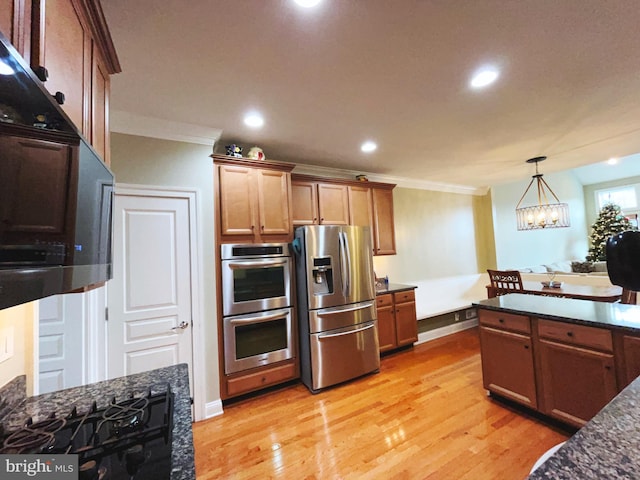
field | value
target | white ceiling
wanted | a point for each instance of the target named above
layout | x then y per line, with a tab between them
394	71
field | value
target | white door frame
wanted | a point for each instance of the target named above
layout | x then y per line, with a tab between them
192	195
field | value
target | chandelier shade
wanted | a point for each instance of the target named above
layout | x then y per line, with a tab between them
543	214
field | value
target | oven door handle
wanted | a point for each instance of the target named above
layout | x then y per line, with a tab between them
350	332
259	319
256	263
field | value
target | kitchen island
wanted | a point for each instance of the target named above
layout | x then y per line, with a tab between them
120	389
569	359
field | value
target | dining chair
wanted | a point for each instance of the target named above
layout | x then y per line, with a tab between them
505	281
629	297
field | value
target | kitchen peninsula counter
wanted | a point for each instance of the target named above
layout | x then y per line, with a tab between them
585	312
608	445
394	287
182	451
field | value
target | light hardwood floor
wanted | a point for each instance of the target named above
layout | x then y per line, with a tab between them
424	416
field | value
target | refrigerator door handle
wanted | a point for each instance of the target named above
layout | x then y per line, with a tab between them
360	306
344	264
350	332
349	264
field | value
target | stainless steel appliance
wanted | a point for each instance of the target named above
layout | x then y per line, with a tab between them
336	304
255	277
258	315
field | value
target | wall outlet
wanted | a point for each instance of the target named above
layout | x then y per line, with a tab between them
470	313
456	317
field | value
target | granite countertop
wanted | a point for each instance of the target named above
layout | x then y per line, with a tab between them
608	446
393	287
568	310
182	451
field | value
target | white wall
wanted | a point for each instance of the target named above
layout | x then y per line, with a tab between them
17	343
437	240
149	161
521	249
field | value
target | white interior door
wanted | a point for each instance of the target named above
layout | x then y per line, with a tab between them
61	337
149	299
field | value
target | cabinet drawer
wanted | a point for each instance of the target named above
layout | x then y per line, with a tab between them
406	296
384	300
264	378
597	338
506	321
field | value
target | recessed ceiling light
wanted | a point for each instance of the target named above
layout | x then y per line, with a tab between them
368	147
308	3
5	69
253	120
612	161
483	77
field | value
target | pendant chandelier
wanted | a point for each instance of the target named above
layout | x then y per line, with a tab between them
544	214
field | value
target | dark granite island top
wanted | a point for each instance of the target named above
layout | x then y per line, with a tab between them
182	451
607	447
584	312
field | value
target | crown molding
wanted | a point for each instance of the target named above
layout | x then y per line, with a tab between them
132	124
399	181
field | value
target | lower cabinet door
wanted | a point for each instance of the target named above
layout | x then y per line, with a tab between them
507	365
406	323
386	328
577	382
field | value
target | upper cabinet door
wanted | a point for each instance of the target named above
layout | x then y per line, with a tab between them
333	204
273	202
237	205
62	45
100	87
304	200
360	206
15	24
384	234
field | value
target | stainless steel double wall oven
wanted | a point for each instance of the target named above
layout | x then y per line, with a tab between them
258	318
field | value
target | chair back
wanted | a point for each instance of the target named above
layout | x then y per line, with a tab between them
505	281
629	297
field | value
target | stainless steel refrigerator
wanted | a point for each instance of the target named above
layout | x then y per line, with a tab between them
336	304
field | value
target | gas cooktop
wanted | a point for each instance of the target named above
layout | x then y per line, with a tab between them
129	439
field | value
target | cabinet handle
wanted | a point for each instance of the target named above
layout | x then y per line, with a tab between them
322	219
569	334
253	227
262	227
315	219
501	320
42	73
607	367
526	347
59	96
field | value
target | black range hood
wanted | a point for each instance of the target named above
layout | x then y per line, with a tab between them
55	193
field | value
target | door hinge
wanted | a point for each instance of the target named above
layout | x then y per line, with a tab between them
106	314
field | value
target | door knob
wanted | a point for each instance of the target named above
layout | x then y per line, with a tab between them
182	326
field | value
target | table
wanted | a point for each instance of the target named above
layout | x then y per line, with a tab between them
581	292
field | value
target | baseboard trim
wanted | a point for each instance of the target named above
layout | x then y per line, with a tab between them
444	331
213	409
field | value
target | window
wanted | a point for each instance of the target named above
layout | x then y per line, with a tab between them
625	197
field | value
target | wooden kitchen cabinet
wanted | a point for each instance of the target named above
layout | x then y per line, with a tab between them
577	370
317	203
384	238
15	24
631	356
71	41
253	200
507	356
397	320
320	201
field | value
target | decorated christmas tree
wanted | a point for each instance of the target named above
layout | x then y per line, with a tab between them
610	222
